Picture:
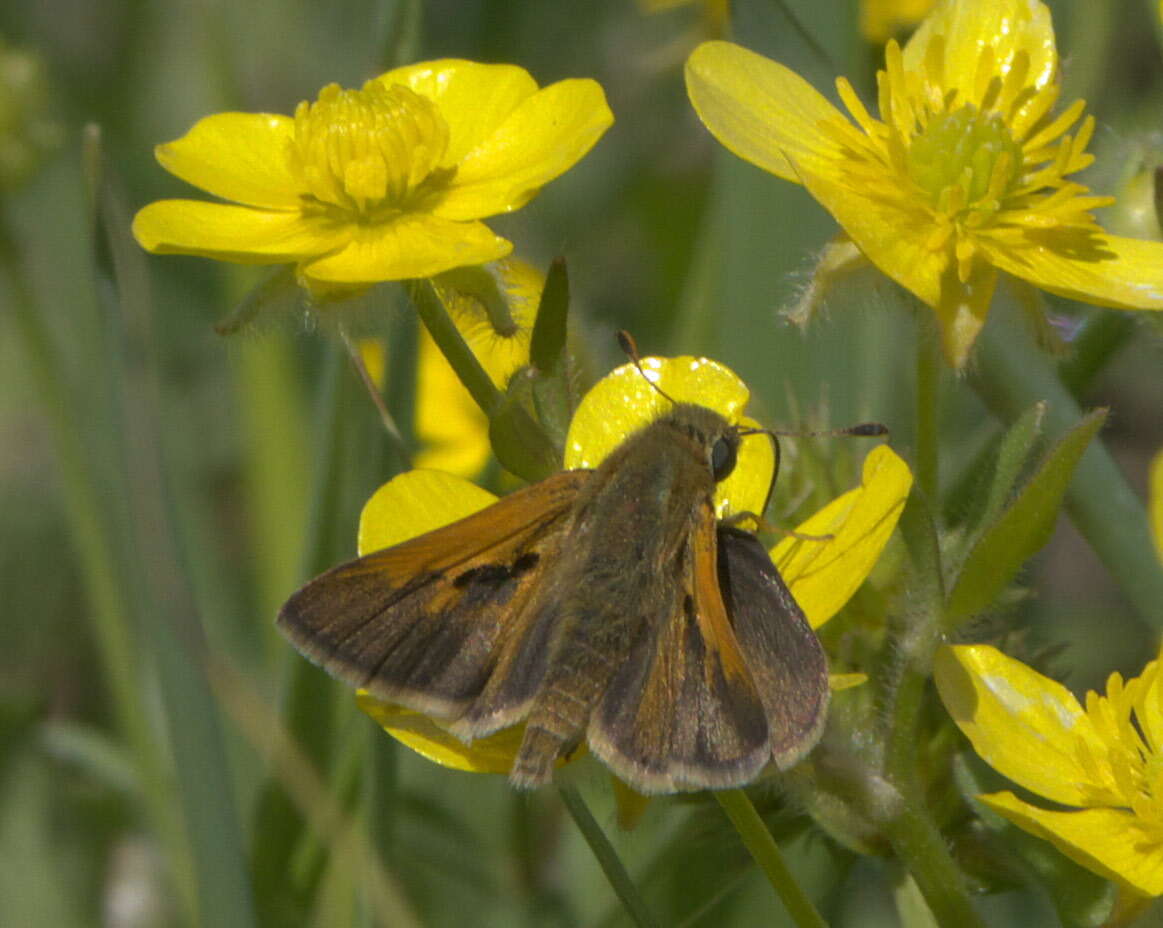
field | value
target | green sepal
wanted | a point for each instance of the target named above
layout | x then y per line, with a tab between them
547	345
1016	534
279	290
519	441
481	283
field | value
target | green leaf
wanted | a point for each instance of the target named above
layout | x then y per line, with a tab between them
1025	526
1012	455
1010	374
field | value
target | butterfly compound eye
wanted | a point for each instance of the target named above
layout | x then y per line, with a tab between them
723	458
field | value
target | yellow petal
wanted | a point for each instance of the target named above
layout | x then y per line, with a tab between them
1024	725
1106	270
1008	27
542	139
233	233
623	402
237	156
845	681
879	19
416	502
760	110
962	309
1111	842
412	245
1155	501
473	98
893	232
430	740
823	575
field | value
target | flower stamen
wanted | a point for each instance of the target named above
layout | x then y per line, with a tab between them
368	152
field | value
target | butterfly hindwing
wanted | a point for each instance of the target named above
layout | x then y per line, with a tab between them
683	710
424	623
786	658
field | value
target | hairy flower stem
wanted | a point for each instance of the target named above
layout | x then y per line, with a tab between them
448	339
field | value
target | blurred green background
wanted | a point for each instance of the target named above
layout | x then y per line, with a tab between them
205	455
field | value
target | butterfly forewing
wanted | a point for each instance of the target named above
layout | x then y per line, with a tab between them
425	623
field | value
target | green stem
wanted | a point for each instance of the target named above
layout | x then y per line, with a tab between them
767	854
448	339
607	857
922	849
928	397
900	802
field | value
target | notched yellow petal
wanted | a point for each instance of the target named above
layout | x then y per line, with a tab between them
823	575
544	137
416	502
623	402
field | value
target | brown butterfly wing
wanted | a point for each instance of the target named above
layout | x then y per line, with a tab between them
424	623
684	710
786	659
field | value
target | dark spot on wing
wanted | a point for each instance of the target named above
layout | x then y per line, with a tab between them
486	575
525	563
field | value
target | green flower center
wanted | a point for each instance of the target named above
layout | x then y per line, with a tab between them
369	152
965	159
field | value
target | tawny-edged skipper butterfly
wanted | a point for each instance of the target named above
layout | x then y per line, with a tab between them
603	605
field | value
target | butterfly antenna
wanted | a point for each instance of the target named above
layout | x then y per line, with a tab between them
860	430
630	348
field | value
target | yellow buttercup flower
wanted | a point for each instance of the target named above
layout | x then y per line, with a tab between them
422	500
965	173
880	20
1105	761
383	183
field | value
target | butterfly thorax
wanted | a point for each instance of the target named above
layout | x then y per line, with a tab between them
628	542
